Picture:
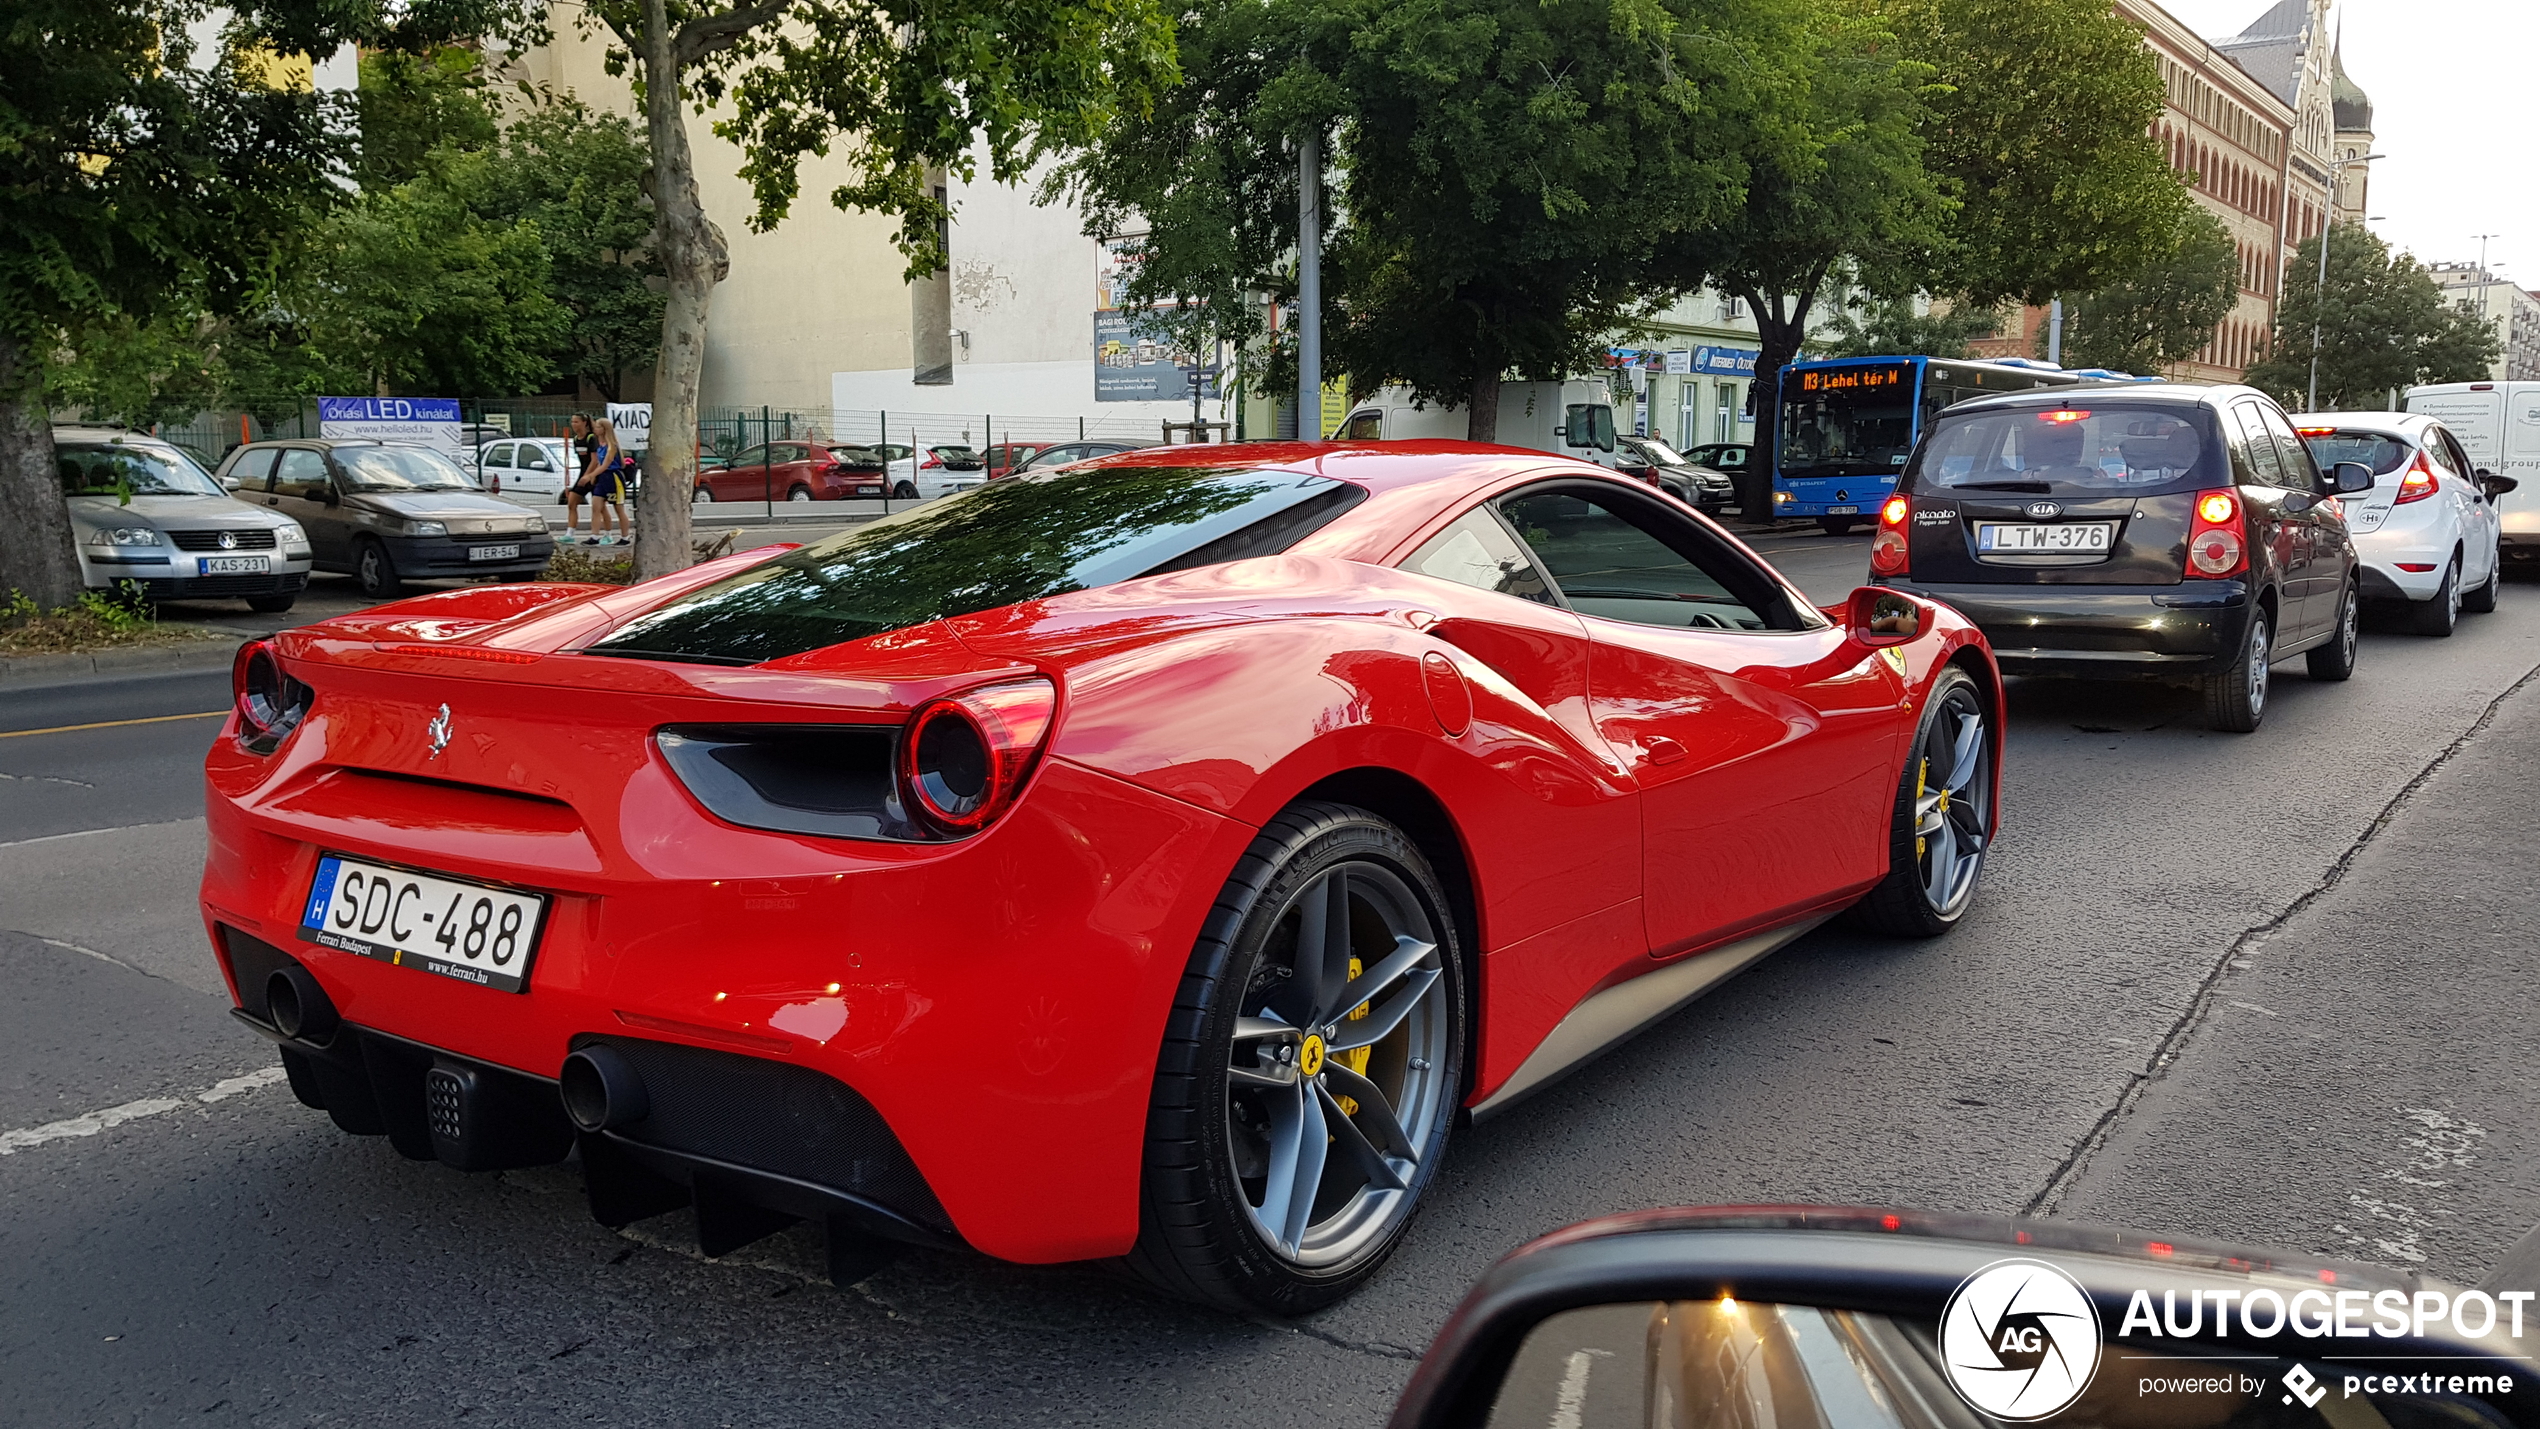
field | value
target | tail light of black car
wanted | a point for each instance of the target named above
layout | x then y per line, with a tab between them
270	703
952	769
2418	484
2215	547
1888	556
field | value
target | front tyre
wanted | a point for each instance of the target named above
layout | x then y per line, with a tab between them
2336	659
1310	1071
376	572
1943	821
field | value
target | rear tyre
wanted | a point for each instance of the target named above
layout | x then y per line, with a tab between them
1943	822
2236	696
799	493
2437	616
2336	659
1836	525
905	491
376	572
2482	601
271	604
1310	1071
700	496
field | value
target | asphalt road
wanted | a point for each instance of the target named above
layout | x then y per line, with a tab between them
2274	987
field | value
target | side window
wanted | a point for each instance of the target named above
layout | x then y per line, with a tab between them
2460	458
2253	454
498	454
2300	472
2439	450
784	452
1608	565
1589	424
301	473
1477	551
253	471
1368	426
754	456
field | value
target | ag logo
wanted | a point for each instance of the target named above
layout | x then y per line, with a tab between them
2020	1339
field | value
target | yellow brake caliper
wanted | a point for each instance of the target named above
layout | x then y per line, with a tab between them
1356	1058
1922	783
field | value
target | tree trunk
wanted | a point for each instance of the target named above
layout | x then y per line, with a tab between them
693	260
1780	327
38	557
1481	412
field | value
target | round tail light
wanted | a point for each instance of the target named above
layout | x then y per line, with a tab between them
965	757
1887	551
2215	552
270	703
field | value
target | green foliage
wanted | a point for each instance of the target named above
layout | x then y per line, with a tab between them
416	291
2039	128
1890	327
2382	322
2165	311
120	369
412	105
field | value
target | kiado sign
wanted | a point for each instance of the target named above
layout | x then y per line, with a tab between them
634	424
412	421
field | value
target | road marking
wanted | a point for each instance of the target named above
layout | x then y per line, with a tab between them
92	952
13	1142
109	724
92	833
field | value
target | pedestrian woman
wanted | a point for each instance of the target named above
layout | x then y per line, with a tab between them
576	482
605	480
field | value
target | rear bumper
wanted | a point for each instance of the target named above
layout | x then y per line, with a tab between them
2147	632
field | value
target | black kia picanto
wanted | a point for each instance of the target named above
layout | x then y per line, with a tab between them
2147	532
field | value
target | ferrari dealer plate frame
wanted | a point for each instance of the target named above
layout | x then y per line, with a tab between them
2045	538
397	916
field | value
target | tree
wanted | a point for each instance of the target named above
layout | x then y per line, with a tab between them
2163	313
412	105
1892	327
143	177
2382	322
424	297
913	93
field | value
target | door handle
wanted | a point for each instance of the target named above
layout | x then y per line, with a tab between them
1662	750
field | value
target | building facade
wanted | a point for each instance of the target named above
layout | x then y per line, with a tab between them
2512	312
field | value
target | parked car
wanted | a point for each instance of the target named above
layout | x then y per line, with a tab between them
387	513
945	470
477	434
2427	534
1651	460
527	466
1729	457
790	471
1004	459
1065	453
1573	418
1327	748
142	511
2173	532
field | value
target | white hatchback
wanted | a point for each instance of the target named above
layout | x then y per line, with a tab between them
2427	532
526	466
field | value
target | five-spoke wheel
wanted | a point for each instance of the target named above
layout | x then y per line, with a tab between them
1944	813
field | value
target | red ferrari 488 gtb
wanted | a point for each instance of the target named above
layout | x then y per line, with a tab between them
1153	858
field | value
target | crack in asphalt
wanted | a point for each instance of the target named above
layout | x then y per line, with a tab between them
2069	1171
1376	1349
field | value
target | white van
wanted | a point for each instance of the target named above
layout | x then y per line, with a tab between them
2498	424
1574	418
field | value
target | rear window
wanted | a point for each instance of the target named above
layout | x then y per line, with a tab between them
1035	536
2081	448
2382	454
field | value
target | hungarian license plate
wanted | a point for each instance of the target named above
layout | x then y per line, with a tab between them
1843	511
233	565
469	931
2049	538
493	553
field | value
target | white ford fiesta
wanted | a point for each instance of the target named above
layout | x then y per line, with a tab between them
2426	533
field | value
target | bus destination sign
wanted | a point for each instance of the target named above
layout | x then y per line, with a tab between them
1856	379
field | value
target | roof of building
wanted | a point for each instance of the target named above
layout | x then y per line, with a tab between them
2270	48
2354	107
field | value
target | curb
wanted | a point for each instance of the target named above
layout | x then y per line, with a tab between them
73	669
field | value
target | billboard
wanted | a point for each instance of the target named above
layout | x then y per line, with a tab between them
634	424
1132	365
414	421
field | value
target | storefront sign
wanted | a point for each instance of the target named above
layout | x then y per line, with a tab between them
411	421
1726	361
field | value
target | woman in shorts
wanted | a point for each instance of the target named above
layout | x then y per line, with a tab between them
605	481
577	484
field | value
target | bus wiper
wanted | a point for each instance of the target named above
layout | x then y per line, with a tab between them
2040	487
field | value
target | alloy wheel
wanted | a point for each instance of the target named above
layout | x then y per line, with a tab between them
1336	1076
2260	647
1950	811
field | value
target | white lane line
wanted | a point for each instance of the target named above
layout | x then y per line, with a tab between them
12	1142
92	833
90	952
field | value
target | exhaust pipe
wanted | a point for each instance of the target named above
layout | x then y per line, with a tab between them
297	1006
601	1089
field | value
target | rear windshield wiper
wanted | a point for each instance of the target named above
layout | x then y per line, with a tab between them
2040	487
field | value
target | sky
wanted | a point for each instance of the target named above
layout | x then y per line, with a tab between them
2456	112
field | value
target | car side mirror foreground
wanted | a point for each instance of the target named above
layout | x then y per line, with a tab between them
1835	1316
2350	477
1878	616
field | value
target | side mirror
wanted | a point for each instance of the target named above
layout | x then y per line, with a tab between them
1839	1316
2350	477
2499	485
231	483
1879	616
332	497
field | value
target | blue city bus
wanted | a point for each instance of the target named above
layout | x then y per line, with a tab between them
1849	423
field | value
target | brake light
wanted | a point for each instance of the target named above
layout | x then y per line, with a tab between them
2214	546
2419	483
1888	554
2316	431
2062	417
932	461
270	703
1893	511
964	758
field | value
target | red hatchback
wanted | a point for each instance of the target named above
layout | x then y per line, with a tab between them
1152	860
792	471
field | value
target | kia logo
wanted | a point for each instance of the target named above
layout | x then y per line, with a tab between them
2044	510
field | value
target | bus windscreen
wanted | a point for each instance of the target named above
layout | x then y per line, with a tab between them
1847	421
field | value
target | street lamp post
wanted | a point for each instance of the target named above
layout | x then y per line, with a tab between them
2319	291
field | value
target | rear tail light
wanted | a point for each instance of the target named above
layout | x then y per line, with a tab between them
932	461
2214	546
964	758
2419	483
270	703
1888	556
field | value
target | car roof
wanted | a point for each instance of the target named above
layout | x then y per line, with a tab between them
2396	424
2176	394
